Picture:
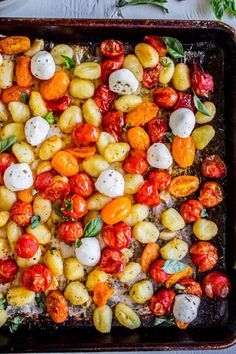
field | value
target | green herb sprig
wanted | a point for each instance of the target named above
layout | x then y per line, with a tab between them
158	3
6	143
69	63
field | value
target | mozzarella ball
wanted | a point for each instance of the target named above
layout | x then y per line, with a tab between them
182	122
123	82
89	253
42	65
110	183
186	307
159	156
36	130
18	177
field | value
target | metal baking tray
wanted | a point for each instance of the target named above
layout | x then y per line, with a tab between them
214	44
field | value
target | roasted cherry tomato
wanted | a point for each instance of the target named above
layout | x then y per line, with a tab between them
117	236
43	180
165	97
113	123
84	134
183	151
156	271
69	231
110	65
37	278
14	93
116	210
191	287
148	194
162	302
204	255
26	246
6	160
150	253
58	189
81	184
8	270
191	210
160	178
65	163
136	162
156	129
112	261
213	167
211	194
59	105
201	82
138	138
22	71
21	213
216	285
104	98
81	152
111	48
185	100
57	306
74	207
157	43
151	76
182	186
142	114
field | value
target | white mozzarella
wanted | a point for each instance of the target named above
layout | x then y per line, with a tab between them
89	253
36	130
42	65
185	307
159	156
18	177
54	130
110	183
182	122
123	82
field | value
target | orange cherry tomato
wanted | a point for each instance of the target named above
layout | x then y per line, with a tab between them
162	302
82	152
25	195
65	163
204	255
81	184
69	231
181	325
138	138
211	194
57	306
37	278
101	293
191	210
136	162
14	93
192	287
116	210
21	213
183	151
182	186
85	134
145	112
22	71
26	246
150	253
55	87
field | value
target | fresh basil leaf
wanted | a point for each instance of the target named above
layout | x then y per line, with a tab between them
78	243
35	221
126	127
220	6
174	47
3	303
158	3
204	213
24	98
93	227
179	287
6	143
200	106
162	319
170	136
172	266
15	322
50	118
40	299
68	62
231	7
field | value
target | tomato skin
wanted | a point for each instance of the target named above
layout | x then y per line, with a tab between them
74	207
14	93
151	76
191	210
21	213
81	184
8	270
157	43
150	253
162	302
216	285
26	246
117	236
185	100
113	123
160	178
84	134
81	152
110	65
57	306
136	162
116	210
58	105
201	82
56	190
192	287
213	167
156	272
6	160
111	48
204	255
43	180
182	186
183	151
37	278
148	194
165	97
112	261
156	129
211	194
104	98
69	231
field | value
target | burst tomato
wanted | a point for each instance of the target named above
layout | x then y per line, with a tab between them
148	194
37	278
156	129
14	93
216	285
112	261
213	167
81	184
74	207
185	100
151	76
111	48
85	134
117	236
6	160
201	82
157	43
81	152
113	123
8	270
182	186
191	287
43	180
69	231
26	246
21	213
104	98
136	162
165	97
58	189
156	271
211	194
160	178
150	253
191	210
204	255
162	302
57	306
59	105
110	65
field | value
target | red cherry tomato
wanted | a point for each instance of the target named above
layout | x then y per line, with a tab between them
148	194
160	178
151	76
216	285
156	129
156	271
136	162
204	255
43	180
8	270
113	123
213	167
110	65
111	48
37	278
81	184
74	207
6	160
21	213
26	246
192	287
165	97
84	134
191	210
111	261
56	190
157	43
117	236
59	105
185	100
211	194
104	98
201	82
69	231
162	302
